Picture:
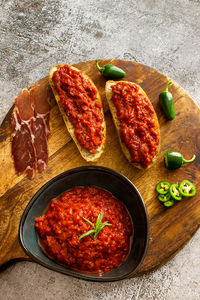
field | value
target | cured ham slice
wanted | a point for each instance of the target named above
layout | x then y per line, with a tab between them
40	99
30	129
23	150
23	105
40	143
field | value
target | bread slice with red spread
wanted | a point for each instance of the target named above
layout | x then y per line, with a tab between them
81	108
136	122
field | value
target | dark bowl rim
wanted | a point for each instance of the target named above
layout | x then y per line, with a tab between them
83	276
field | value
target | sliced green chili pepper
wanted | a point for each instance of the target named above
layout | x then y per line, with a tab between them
174	160
164	197
163	187
110	71
167	103
174	192
169	203
187	189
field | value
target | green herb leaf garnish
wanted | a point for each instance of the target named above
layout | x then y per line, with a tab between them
96	228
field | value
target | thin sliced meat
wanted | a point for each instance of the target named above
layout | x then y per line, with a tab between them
40	142
22	146
30	129
24	106
39	98
40	95
23	150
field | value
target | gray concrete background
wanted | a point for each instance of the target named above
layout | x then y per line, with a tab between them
165	35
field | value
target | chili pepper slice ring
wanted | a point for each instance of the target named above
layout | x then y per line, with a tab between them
164	197
163	187
169	203
187	189
175	192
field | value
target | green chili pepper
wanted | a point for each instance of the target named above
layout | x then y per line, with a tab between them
174	160
164	197
163	187
187	189
110	71
175	192
167	103
169	203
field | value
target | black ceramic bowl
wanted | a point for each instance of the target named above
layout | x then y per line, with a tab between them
108	179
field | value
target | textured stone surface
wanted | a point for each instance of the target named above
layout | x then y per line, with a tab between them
36	35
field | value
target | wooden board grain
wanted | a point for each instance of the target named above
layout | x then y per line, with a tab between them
170	229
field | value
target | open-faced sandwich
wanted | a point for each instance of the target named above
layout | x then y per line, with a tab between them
136	122
80	105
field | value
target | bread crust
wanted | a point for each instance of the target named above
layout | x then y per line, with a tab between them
113	110
85	154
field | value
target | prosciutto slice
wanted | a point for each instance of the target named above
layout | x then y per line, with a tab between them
30	130
39	98
23	150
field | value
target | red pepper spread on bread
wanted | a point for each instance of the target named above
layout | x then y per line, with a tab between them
78	97
139	131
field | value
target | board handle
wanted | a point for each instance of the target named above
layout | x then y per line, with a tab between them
12	253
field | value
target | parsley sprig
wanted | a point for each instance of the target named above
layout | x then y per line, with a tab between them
96	227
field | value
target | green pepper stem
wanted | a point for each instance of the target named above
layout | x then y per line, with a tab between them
189	160
98	66
166	89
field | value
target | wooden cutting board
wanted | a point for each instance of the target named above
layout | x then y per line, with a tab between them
170	229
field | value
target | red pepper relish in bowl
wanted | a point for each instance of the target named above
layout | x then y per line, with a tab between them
86	229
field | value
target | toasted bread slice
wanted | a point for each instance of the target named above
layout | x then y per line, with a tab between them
85	153
113	110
